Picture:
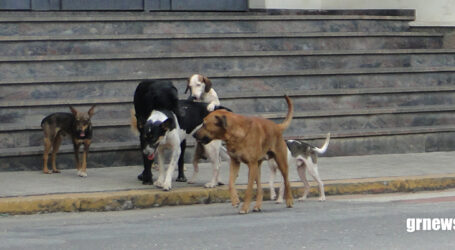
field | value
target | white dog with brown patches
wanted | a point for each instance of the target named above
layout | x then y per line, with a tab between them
304	156
201	91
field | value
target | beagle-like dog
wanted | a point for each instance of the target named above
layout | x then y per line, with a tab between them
201	90
250	140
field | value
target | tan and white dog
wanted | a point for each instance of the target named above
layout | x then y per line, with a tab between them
201	91
304	156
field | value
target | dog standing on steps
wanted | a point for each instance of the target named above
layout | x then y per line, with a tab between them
78	125
304	156
201	91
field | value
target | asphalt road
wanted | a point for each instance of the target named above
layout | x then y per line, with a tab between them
343	222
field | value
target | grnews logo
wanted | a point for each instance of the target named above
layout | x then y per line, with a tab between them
430	224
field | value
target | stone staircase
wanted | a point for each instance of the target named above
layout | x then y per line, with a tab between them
378	87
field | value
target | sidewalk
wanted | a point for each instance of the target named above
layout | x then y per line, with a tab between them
117	188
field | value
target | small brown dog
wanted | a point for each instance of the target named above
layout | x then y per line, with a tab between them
249	140
78	125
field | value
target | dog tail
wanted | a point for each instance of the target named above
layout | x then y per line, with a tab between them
324	147
285	124
133	124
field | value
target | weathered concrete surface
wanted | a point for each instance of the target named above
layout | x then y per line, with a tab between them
109	189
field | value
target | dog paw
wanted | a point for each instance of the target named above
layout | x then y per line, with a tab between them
220	183
322	198
243	211
210	107
289	203
210	185
158	184
56	171
47	172
82	174
257	209
272	196
302	198
181	179
279	201
167	187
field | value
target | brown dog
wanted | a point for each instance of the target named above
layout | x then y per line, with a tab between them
78	125
249	140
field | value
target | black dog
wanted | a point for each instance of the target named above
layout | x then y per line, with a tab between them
160	98
156	118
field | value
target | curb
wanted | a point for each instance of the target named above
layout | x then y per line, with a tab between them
134	199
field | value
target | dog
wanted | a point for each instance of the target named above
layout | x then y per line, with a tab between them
304	156
163	121
249	140
201	90
156	119
78	125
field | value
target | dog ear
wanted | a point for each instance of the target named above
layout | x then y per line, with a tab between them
208	84
73	110
221	121
167	125
91	111
187	85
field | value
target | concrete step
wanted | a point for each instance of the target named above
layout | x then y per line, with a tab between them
103	65
311	122
372	13
228	82
160	24
31	111
223	42
360	142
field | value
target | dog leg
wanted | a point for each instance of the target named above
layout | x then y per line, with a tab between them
281	160
220	183
181	176
313	170
252	175
259	192
301	170
55	148
280	199
273	167
76	146
198	154
146	176
195	169
213	152
160	181
233	173
47	148
83	171
170	170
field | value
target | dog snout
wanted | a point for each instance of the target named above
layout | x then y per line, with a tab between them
206	140
202	138
194	98
196	136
